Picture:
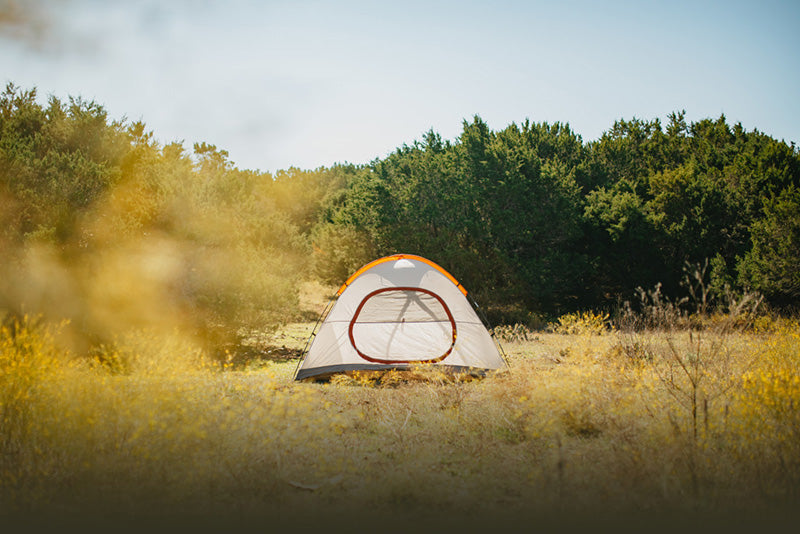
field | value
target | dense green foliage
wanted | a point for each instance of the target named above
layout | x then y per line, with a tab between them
533	218
101	224
502	211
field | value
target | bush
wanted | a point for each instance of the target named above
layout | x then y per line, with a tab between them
582	323
28	358
513	333
338	251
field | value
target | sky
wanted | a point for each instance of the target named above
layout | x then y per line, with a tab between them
302	83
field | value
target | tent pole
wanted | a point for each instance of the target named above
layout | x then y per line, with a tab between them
312	336
489	327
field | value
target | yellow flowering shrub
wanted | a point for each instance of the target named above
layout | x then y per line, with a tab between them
28	358
580	323
768	414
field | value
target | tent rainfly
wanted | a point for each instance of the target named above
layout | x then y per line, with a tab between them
397	312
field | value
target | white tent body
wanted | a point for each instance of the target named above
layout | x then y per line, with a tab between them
397	312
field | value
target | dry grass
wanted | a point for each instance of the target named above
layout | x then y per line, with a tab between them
584	426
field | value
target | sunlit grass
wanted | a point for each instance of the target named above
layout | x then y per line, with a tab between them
579	424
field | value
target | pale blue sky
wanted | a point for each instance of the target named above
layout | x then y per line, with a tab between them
310	83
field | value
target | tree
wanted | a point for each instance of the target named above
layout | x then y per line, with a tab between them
498	209
105	227
621	242
771	266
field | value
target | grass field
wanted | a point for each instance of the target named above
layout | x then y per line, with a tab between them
582	428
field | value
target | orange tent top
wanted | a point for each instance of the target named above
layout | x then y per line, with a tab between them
395	257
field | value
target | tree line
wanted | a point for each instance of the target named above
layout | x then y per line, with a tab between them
101	223
536	220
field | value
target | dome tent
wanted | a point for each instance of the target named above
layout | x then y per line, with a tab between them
398	312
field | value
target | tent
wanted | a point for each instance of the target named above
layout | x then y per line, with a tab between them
395	313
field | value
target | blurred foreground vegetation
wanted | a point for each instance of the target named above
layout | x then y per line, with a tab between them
101	225
694	421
